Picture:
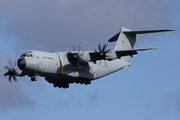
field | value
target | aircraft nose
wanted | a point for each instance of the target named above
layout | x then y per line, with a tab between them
21	63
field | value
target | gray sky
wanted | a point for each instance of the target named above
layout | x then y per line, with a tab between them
57	25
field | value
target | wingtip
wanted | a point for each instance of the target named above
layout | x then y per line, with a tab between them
153	48
170	30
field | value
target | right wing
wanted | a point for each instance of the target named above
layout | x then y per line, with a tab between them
114	54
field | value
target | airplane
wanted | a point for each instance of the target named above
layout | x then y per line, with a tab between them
64	68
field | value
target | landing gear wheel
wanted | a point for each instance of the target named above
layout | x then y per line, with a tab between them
33	79
85	82
55	85
81	81
67	86
89	82
59	85
64	86
77	81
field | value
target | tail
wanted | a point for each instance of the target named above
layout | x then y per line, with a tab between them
126	39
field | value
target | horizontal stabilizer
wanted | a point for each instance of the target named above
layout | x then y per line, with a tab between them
131	52
142	49
146	31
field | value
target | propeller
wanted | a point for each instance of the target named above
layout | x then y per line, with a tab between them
11	71
74	57
102	52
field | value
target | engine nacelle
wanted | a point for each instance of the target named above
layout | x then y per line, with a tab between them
84	57
111	55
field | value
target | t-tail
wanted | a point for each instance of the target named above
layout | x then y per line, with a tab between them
126	39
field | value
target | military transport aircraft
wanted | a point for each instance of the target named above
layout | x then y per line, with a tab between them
82	67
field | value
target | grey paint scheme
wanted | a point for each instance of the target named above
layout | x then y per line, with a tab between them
56	67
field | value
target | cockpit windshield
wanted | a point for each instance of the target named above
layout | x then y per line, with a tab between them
26	55
23	55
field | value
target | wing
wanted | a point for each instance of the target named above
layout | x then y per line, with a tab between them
88	56
114	54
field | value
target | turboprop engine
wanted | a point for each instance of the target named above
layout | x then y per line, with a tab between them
111	55
84	57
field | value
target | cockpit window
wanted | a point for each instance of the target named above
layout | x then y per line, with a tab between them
23	55
26	55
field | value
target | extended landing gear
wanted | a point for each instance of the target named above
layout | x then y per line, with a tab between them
83	81
66	84
33	78
63	85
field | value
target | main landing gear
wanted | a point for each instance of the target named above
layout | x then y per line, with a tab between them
66	84
33	79
83	81
63	85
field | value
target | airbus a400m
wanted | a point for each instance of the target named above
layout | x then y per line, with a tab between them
63	68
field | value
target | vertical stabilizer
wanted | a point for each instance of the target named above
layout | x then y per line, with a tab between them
124	41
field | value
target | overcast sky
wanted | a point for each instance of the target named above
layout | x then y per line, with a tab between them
148	90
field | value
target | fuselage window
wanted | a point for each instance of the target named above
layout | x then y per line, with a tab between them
31	55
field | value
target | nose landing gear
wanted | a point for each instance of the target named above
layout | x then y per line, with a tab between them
33	79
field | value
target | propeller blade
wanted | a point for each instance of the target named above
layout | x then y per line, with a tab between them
14	77
7	73
6	67
10	78
10	63
101	55
107	51
14	63
74	48
79	48
99	47
95	51
104	47
74	57
11	71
